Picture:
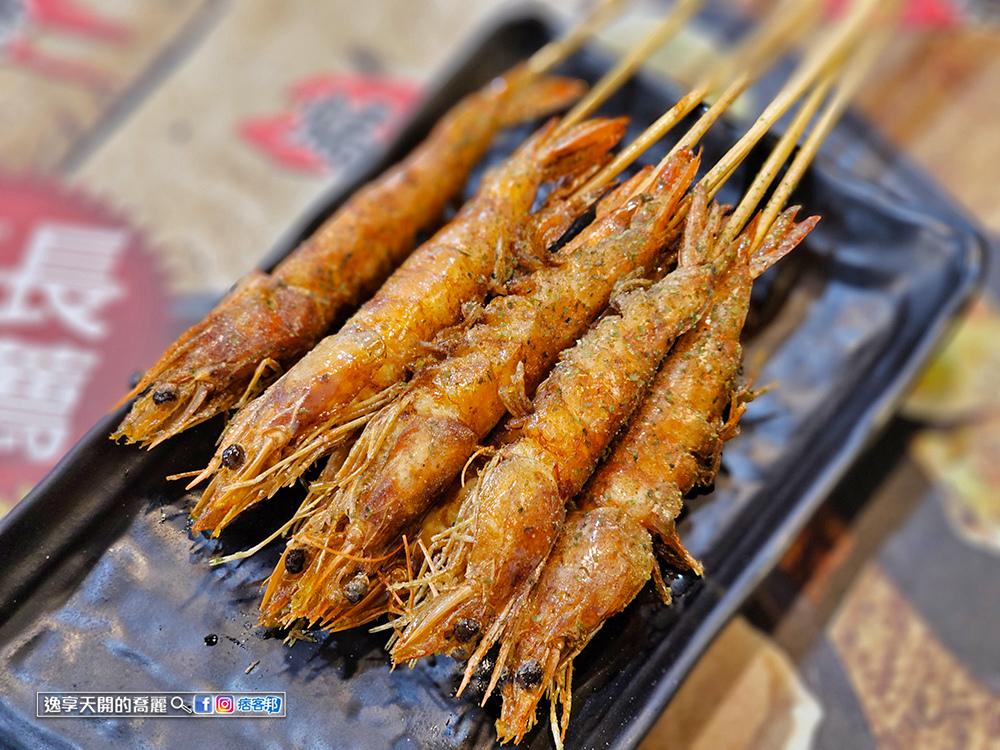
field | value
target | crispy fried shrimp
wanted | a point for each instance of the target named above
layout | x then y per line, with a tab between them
281	315
673	443
420	443
352	373
519	504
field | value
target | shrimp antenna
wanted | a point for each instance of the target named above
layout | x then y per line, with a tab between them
559	49
679	15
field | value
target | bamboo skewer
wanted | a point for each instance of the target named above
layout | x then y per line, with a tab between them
781	30
852	79
558	50
681	13
831	54
781	151
828	55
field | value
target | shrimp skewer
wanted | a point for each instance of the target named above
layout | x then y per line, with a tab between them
673	443
420	442
438	418
269	320
320	400
519	504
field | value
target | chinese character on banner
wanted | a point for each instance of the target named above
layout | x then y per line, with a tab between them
123	704
69	703
66	274
158	704
105	704
88	703
140	704
39	387
336	120
23	20
82	307
243	703
52	704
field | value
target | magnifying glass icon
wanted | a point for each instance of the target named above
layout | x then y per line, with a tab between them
178	703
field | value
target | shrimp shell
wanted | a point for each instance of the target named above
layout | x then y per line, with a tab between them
269	320
520	501
421	442
602	557
336	386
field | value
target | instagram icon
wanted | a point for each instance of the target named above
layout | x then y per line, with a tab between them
224	704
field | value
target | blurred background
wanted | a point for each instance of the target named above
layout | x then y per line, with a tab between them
152	151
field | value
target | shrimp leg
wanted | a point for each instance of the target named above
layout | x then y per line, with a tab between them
603	556
314	405
280	316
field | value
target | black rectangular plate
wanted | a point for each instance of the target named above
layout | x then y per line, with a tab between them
102	587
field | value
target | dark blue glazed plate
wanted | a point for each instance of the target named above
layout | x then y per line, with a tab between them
103	588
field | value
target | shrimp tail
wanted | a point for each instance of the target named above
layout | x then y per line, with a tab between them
781	239
533	97
584	145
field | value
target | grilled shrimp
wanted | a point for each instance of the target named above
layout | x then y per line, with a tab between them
520	502
369	597
338	384
420	442
604	556
270	320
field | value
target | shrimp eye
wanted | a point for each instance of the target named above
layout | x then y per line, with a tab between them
234	456
466	629
357	588
163	396
529	674
295	561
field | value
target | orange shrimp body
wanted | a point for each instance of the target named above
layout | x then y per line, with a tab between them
270	320
279	434
520	501
418	444
603	556
602	552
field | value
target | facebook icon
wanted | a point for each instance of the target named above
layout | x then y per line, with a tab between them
204	704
